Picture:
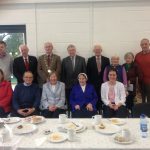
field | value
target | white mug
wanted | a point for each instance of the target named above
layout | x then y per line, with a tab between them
63	118
5	135
97	119
71	134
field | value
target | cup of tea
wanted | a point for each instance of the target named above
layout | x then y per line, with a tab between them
97	119
71	134
63	118
125	133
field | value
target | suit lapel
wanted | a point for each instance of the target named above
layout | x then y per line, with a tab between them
95	64
76	62
69	64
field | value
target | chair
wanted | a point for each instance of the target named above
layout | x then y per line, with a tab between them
142	108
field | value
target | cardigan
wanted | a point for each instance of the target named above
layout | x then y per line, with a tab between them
78	97
5	95
120	95
52	97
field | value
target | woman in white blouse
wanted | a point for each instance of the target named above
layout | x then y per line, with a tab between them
53	97
113	96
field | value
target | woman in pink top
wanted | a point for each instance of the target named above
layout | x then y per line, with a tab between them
113	96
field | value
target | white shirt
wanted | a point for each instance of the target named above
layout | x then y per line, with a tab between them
53	87
83	88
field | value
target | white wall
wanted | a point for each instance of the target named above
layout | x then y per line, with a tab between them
117	25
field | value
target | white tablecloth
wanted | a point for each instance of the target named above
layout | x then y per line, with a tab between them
89	139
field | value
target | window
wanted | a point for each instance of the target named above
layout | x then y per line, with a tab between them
13	35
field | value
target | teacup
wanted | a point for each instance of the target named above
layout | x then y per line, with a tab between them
97	119
71	134
5	135
126	134
63	118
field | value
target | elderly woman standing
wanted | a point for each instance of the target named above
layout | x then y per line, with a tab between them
133	73
83	98
113	96
53	97
5	96
121	73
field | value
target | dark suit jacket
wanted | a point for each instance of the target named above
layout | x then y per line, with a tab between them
94	77
19	68
68	75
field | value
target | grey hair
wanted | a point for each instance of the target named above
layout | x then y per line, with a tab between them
71	46
129	54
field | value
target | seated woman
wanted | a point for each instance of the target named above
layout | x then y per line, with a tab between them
53	97
113	96
121	72
83	99
5	96
26	97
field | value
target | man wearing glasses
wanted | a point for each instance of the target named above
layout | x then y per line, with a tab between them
26	98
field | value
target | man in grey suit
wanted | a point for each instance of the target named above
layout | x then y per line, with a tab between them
71	67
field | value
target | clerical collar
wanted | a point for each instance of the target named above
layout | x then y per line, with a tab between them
25	84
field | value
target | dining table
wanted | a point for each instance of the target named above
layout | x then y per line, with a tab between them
87	139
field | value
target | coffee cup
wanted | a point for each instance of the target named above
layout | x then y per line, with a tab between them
125	133
5	135
97	119
71	134
63	118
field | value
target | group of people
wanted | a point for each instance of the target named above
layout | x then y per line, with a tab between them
49	86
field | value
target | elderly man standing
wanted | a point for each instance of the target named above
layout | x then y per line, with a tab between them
48	63
6	61
143	61
24	63
95	70
26	97
72	65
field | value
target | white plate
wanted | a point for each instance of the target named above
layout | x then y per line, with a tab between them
26	128
109	128
117	121
125	142
73	125
62	129
11	120
35	119
57	137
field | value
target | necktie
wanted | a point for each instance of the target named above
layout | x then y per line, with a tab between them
48	60
73	63
26	64
98	64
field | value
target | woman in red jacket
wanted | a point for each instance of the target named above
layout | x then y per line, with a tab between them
5	96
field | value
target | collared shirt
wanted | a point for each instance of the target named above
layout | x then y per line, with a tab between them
83	88
25	84
26	58
53	87
99	57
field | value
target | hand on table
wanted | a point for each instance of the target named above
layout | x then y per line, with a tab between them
89	107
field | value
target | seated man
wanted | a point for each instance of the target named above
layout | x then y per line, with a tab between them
83	98
26	98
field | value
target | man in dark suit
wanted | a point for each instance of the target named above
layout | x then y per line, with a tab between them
71	67
24	63
95	70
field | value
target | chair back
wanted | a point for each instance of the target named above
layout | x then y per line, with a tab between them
142	108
